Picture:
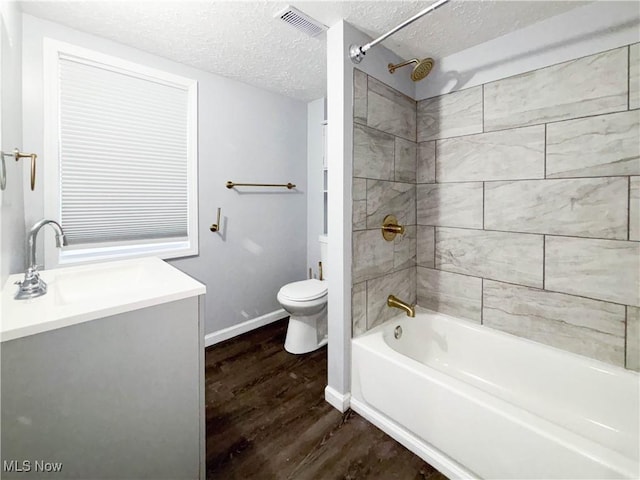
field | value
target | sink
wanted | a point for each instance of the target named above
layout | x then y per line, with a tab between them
97	283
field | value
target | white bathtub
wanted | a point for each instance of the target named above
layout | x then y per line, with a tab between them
479	403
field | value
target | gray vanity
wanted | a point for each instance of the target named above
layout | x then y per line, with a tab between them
105	385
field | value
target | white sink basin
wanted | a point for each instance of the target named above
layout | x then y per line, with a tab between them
87	292
98	283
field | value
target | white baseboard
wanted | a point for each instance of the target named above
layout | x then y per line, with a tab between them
244	327
336	399
427	452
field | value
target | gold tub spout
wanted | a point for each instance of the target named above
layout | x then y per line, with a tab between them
395	302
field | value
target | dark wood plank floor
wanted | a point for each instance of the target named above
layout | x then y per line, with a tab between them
267	419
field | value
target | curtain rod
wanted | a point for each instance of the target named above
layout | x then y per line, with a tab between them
357	53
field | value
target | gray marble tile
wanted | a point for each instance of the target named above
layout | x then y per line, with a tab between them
373	153
372	256
506	155
359	191
425	246
359	97
450	115
402	284
450	293
404	249
426	168
359	215
359	194
633	338
586	86
509	257
391	111
634	76
595	146
582	207
405	164
450	204
358	309
634	208
602	269
580	325
390	198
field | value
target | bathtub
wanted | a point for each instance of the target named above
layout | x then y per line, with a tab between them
479	403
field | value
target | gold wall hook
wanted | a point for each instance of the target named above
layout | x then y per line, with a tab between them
216	226
390	228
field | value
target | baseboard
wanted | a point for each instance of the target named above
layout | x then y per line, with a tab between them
244	327
336	399
434	457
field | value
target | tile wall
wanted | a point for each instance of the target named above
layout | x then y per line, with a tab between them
384	183
530	205
526	213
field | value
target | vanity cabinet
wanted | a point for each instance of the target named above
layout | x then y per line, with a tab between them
119	397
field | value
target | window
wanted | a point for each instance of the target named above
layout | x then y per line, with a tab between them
122	141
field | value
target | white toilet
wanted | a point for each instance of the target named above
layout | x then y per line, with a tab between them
306	302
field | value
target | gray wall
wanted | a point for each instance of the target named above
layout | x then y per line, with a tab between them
531	205
245	135
527	205
12	229
384	178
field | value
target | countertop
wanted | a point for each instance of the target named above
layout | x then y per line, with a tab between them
88	292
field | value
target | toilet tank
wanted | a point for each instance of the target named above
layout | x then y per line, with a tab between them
323	255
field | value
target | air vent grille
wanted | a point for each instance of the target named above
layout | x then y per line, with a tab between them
299	20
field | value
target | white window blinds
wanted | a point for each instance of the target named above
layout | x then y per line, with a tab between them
123	141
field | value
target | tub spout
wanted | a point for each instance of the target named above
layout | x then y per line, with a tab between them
394	302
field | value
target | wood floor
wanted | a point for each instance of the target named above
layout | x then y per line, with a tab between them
267	419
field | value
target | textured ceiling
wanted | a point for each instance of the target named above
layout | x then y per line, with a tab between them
242	40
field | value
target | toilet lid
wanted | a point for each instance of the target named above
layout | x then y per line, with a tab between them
304	290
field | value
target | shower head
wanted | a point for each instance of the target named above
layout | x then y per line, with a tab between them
421	70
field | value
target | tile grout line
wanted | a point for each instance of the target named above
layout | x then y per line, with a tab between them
628	77
619	175
435	161
481	301
544	260
483	131
629	209
626	331
434	247
526	233
528	125
545	151
482	205
539	289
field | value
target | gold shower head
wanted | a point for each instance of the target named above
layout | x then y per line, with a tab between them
421	70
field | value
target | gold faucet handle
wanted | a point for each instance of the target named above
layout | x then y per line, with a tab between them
390	228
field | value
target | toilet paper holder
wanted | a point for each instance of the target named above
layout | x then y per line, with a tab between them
216	226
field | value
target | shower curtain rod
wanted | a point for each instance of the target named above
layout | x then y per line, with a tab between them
357	53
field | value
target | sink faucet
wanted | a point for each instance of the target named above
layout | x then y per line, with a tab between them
33	286
394	302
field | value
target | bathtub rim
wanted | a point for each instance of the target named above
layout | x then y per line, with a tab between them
486	330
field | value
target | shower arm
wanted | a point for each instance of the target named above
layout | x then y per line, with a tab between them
357	53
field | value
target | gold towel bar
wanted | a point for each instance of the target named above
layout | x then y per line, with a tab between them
17	154
289	185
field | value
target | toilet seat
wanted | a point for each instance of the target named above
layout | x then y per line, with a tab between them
304	291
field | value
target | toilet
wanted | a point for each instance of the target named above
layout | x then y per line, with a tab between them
306	303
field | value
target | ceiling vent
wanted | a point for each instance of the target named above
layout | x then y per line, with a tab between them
299	20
